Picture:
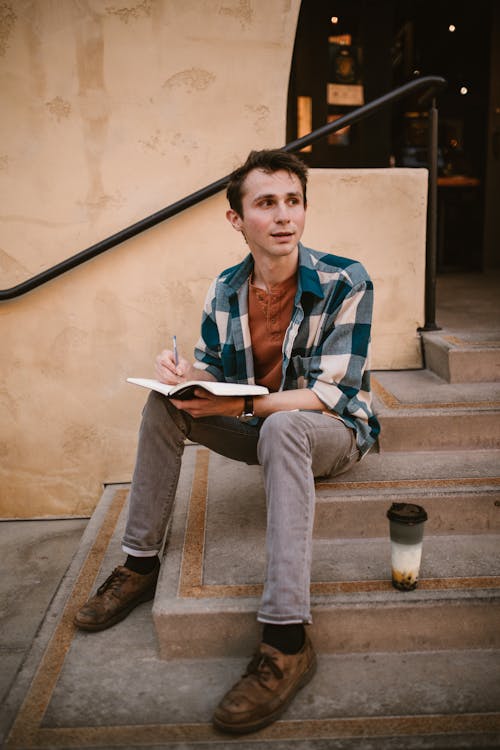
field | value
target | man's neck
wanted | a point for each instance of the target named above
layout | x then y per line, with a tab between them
268	272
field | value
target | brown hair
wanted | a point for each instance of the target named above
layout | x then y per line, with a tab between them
268	160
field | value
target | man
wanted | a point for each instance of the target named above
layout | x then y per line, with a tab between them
298	322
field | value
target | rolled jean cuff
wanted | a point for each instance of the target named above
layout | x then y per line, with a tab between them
283	620
139	552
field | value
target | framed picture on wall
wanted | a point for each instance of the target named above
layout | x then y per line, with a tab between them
345	86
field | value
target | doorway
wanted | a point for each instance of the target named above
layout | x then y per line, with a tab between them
349	52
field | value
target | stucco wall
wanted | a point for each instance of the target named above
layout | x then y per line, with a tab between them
109	113
379	217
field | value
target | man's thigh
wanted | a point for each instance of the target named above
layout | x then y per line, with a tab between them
323	442
227	436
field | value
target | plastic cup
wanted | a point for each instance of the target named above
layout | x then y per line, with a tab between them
406	526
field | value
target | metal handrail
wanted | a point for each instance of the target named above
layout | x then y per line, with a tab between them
430	85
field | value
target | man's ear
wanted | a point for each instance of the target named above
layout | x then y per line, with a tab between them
234	219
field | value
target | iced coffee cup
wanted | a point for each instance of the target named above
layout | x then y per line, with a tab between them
406	526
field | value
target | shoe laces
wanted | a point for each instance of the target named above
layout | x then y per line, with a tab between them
112	582
262	665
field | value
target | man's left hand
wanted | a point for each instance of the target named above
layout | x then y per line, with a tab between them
207	405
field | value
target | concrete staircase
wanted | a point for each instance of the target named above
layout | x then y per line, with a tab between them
440	644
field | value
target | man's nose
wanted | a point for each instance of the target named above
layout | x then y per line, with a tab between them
282	213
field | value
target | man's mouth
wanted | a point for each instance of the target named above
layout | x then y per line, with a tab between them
282	234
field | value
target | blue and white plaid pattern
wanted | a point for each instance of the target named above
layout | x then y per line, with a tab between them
326	346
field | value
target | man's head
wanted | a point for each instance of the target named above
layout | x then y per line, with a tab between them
267	199
268	161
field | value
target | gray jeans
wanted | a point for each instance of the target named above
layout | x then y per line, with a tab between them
293	447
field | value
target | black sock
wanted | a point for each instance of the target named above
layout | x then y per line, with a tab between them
288	639
142	565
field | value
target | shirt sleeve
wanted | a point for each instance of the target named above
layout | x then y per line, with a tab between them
339	367
208	348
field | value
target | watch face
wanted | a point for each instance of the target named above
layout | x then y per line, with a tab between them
246	417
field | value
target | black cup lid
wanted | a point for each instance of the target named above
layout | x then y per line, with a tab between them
406	513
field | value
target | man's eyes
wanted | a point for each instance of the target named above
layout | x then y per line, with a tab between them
292	201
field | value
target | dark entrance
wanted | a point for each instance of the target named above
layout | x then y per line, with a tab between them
348	52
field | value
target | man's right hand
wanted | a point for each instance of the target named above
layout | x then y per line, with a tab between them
167	372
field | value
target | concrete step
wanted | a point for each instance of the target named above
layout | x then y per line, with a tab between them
471	357
378	701
420	411
211	582
459	490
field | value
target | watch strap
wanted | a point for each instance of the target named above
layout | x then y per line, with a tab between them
248	407
247	414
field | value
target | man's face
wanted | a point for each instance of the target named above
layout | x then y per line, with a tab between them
273	213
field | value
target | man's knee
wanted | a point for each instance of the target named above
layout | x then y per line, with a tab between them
155	404
159	408
326	443
281	431
279	424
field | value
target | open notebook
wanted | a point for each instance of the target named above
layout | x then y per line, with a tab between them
185	390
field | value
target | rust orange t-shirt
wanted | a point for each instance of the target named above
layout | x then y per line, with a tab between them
269	315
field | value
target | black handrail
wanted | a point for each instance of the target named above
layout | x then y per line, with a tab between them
429	84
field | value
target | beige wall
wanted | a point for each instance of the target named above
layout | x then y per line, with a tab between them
109	113
379	217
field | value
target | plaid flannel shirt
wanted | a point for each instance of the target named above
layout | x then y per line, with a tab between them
326	345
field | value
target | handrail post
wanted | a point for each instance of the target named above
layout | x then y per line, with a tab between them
432	228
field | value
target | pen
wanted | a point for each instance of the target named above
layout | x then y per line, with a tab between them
176	354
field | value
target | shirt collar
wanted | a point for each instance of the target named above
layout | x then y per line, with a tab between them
309	280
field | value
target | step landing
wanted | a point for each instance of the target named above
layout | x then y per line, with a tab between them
460	491
463	357
419	411
210	585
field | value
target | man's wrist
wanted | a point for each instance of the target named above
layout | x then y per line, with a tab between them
247	412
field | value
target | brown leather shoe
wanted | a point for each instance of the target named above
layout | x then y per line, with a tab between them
268	686
118	595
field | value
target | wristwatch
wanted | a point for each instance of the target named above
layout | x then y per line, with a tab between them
247	414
